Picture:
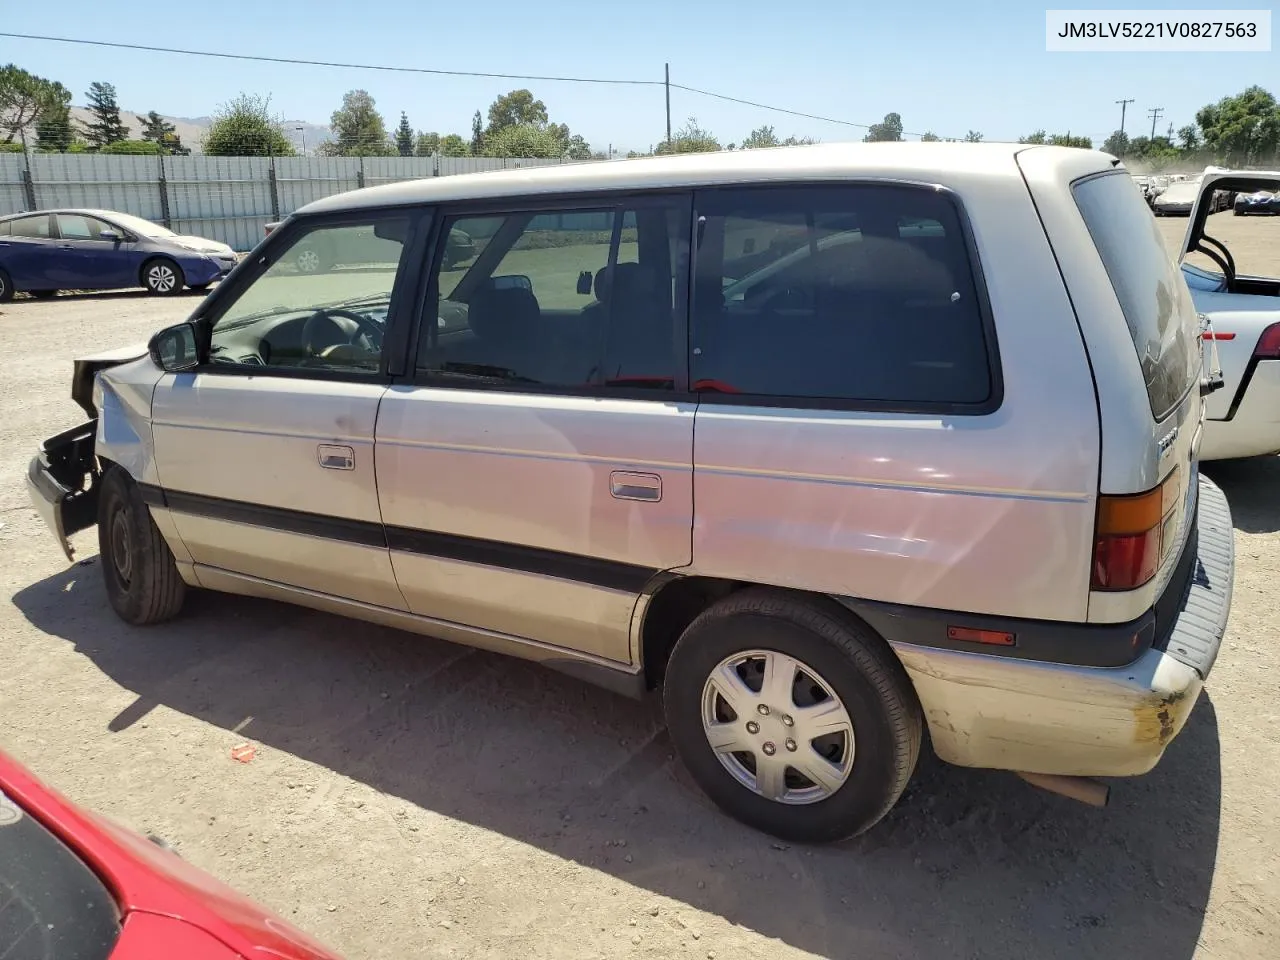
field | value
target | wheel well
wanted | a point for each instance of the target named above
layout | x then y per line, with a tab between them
678	602
676	605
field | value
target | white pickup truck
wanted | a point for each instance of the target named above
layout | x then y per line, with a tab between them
1243	318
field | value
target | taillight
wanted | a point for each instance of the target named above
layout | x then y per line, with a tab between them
1133	535
1268	347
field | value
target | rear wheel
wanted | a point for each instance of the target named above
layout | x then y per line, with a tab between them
138	569
791	716
6	287
162	277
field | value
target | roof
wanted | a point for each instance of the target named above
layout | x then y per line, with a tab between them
946	163
83	211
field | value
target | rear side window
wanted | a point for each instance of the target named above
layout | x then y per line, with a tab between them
1154	297
31	228
854	295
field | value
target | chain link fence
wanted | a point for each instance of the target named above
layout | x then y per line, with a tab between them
229	199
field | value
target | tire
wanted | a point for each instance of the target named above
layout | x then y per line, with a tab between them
6	287
138	569
877	748
44	294
162	277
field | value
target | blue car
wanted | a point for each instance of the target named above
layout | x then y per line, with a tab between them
42	253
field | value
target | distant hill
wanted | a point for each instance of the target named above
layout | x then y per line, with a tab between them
192	129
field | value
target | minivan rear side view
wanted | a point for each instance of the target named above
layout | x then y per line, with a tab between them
833	446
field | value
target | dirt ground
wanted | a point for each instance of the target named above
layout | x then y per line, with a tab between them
412	799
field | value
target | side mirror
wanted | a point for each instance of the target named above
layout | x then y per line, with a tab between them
584	283
174	349
113	235
511	281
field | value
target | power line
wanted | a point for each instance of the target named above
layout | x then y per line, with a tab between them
328	63
387	68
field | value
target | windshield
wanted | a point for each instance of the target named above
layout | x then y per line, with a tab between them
51	903
141	227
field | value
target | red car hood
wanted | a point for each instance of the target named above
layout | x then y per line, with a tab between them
151	884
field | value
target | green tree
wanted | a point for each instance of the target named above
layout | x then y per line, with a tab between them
929	137
516	108
760	138
1243	130
577	148
799	141
452	145
54	131
973	136
1116	144
1067	140
244	127
426	144
158	130
524	140
24	98
404	136
358	128
887	130
477	134
1037	138
690	138
134	147
106	126
1189	137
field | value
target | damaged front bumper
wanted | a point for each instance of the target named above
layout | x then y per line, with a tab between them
62	482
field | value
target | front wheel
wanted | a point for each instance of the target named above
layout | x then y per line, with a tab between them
6	287
163	278
138	569
792	717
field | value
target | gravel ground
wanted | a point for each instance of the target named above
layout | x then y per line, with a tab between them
415	799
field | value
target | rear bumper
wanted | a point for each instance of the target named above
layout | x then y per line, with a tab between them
1254	427
62	482
1039	717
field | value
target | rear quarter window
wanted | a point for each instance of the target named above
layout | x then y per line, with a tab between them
1152	293
861	296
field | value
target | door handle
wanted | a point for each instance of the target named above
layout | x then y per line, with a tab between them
624	485
336	457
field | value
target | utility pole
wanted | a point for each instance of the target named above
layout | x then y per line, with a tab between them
667	83
1123	105
1155	115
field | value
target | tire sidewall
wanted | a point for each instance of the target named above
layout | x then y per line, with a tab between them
120	494
178	278
871	784
6	287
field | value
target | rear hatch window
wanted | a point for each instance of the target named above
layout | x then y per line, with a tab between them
52	906
1153	295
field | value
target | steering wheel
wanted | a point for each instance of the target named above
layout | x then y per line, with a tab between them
347	324
1220	255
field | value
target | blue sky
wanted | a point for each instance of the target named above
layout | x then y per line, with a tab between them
943	66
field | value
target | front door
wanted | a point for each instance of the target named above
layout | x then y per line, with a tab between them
265	454
537	472
89	262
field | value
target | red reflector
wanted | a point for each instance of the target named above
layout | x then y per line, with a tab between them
970	635
1127	561
1218	336
1269	343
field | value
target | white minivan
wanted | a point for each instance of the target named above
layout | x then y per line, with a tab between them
832	445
